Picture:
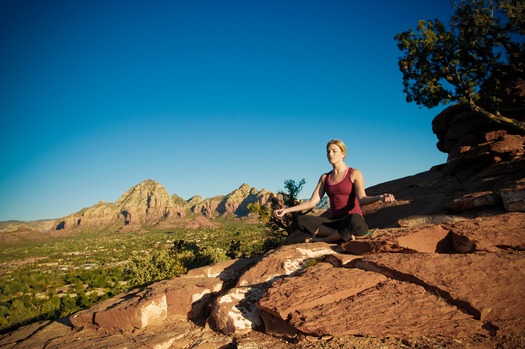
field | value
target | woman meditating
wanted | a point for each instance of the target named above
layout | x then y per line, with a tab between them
345	189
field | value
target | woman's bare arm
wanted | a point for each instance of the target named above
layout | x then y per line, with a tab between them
307	205
359	185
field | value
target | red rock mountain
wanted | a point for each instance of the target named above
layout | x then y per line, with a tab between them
149	204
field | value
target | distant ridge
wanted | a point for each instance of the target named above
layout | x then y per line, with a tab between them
149	204
146	204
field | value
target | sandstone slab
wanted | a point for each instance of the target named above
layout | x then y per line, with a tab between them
492	233
287	260
123	310
391	308
186	297
488	286
135	313
36	335
427	238
137	309
513	200
473	200
317	286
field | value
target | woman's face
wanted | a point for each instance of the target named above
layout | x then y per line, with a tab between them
334	154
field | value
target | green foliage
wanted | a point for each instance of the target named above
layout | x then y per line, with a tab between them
283	199
59	276
293	189
150	267
481	54
234	250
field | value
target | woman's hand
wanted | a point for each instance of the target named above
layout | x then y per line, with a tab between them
279	213
387	198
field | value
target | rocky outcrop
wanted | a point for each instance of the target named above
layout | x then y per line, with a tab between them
473	142
406	288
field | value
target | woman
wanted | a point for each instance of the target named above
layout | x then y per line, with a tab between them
346	191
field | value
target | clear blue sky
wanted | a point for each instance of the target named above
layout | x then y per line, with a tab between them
201	96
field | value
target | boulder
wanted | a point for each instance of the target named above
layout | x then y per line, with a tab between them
236	311
178	297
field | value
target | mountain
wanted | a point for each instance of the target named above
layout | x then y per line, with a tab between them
149	204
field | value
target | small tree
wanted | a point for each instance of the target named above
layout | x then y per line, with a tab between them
481	54
281	200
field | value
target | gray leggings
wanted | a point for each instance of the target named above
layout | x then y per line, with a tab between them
353	224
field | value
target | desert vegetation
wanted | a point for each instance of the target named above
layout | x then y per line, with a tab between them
54	278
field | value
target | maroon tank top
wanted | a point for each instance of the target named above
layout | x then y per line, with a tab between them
343	199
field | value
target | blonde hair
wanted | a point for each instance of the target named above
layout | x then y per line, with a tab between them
339	143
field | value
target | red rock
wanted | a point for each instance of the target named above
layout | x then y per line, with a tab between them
114	305
141	310
135	310
277	327
319	285
488	286
186	297
284	261
430	238
513	198
493	233
227	271
471	201
393	309
235	311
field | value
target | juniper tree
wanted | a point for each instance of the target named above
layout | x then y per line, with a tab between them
477	60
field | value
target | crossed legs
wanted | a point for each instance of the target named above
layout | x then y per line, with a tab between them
330	230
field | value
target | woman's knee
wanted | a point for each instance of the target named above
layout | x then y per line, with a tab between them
308	223
358	224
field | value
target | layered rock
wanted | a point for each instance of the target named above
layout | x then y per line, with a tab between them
473	142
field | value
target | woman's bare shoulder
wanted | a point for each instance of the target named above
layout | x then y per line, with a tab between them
355	174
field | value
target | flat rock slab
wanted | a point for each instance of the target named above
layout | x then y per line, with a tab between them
153	305
319	285
186	296
493	233
36	335
391	309
287	260
428	238
488	286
